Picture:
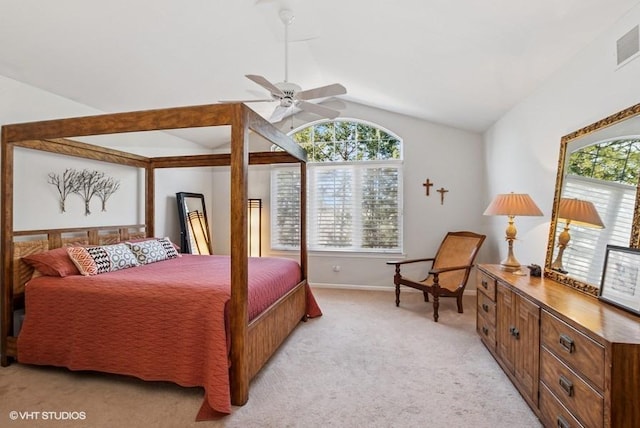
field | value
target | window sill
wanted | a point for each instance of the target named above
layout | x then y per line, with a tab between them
343	254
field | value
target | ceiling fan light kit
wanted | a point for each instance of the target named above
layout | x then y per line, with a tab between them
290	95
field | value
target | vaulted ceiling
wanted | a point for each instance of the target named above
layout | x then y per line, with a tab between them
462	63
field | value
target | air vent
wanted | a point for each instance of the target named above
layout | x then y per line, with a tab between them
628	46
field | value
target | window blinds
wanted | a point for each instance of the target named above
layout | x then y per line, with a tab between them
353	206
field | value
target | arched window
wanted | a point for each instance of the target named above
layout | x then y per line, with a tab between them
354	176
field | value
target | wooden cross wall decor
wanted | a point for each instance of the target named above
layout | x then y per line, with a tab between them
442	191
427	184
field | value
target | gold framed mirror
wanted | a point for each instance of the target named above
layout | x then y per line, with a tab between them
598	168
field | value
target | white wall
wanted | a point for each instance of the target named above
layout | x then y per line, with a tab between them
521	149
450	158
36	203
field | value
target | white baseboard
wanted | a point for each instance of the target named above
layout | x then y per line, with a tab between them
354	286
373	288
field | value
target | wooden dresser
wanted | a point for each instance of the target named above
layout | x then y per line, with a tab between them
574	359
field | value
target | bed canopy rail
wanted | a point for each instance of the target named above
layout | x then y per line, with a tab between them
53	136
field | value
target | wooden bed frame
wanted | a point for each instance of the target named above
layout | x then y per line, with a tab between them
251	343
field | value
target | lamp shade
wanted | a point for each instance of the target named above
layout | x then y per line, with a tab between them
513	204
579	212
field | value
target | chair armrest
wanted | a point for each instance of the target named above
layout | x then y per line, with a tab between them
404	262
448	269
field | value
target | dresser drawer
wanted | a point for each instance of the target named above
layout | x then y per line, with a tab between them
487	331
554	414
577	350
573	392
487	285
487	308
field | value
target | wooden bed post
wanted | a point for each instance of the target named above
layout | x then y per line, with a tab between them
303	219
149	200
239	317
6	299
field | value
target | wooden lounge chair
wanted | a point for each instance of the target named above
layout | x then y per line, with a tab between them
449	272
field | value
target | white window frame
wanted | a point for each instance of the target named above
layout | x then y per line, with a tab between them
358	167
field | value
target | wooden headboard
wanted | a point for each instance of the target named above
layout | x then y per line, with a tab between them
27	243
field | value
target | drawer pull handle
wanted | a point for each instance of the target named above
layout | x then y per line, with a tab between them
514	332
566	384
485	330
485	284
567	343
485	307
562	423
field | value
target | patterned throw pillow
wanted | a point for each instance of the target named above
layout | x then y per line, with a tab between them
153	250
102	259
171	250
83	260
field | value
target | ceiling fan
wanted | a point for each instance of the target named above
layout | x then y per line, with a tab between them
291	95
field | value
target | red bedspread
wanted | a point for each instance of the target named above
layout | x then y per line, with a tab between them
162	321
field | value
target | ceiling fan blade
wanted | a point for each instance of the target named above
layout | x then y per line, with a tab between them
318	109
321	92
278	114
273	89
270	100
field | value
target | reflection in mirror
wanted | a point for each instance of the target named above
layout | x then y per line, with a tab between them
580	213
599	167
194	228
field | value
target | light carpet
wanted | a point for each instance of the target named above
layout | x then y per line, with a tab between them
364	363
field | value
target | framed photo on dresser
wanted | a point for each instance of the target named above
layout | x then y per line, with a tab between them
620	284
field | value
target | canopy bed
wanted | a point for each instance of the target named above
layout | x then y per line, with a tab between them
251	337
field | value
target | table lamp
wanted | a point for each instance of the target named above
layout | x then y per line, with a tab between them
511	205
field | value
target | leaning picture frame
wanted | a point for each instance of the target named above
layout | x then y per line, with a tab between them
620	283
